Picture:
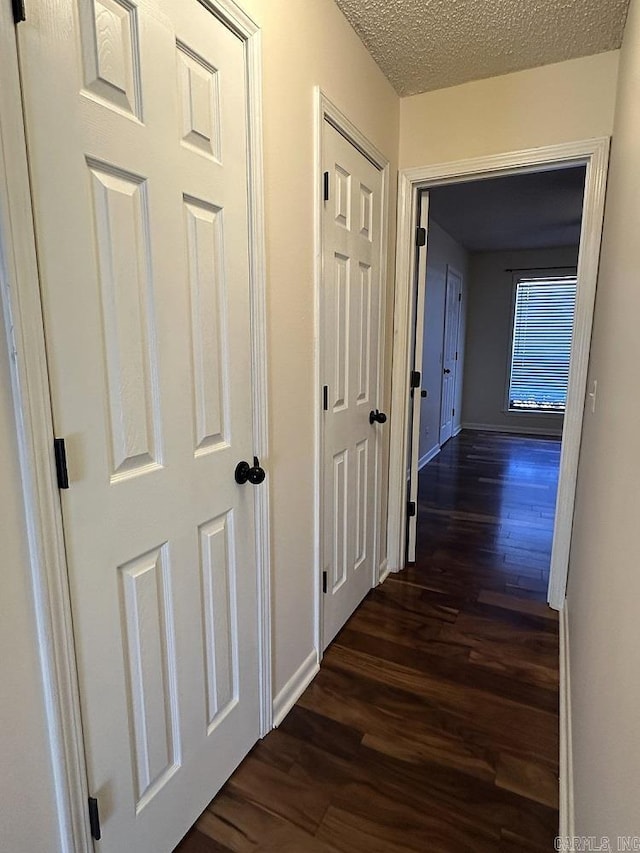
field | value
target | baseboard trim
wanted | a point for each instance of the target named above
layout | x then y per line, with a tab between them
428	456
567	822
512	429
383	570
456	430
295	687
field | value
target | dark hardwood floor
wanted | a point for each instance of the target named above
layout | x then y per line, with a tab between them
433	723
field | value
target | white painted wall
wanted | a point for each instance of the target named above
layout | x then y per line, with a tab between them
442	249
305	44
488	342
542	106
604	575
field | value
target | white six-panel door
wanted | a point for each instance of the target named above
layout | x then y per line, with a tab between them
449	353
349	329
136	126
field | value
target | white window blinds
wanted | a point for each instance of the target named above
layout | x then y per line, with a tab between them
542	329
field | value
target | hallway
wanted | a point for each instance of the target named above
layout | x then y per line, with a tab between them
433	723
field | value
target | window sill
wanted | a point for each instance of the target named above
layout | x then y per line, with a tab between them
536	413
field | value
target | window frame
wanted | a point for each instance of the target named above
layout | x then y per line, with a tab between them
516	277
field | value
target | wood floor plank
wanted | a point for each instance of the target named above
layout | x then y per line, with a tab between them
397	830
279	750
434	736
488	716
528	779
246	827
238	837
519	605
196	842
488	810
438	750
432	725
533	686
274	790
332	735
516	670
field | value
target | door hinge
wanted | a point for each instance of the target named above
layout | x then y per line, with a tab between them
421	236
325	398
324	582
456	356
94	819
19	13
415	379
411	509
453	411
325	186
460	297
60	453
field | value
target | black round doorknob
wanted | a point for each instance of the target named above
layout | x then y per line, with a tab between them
446	370
246	473
256	474
375	416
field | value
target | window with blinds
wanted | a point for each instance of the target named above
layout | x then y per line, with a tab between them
542	329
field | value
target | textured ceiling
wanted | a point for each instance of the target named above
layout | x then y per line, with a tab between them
422	45
535	211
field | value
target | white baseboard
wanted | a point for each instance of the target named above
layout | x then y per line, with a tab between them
295	687
383	570
456	430
428	456
567	822
523	430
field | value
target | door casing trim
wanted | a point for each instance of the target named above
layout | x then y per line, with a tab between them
22	315
326	110
592	153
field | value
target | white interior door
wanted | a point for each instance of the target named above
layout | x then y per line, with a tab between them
416	392
450	353
350	341
136	125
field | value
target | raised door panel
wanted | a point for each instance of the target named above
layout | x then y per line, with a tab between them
342	196
111	54
340	519
218	576
340	315
362	334
366	212
360	504
121	219
199	88
204	239
149	644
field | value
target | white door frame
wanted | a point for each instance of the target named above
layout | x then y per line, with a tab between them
326	110
416	343
22	315
592	153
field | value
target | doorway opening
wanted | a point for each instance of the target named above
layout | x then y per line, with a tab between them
499	300
557	199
